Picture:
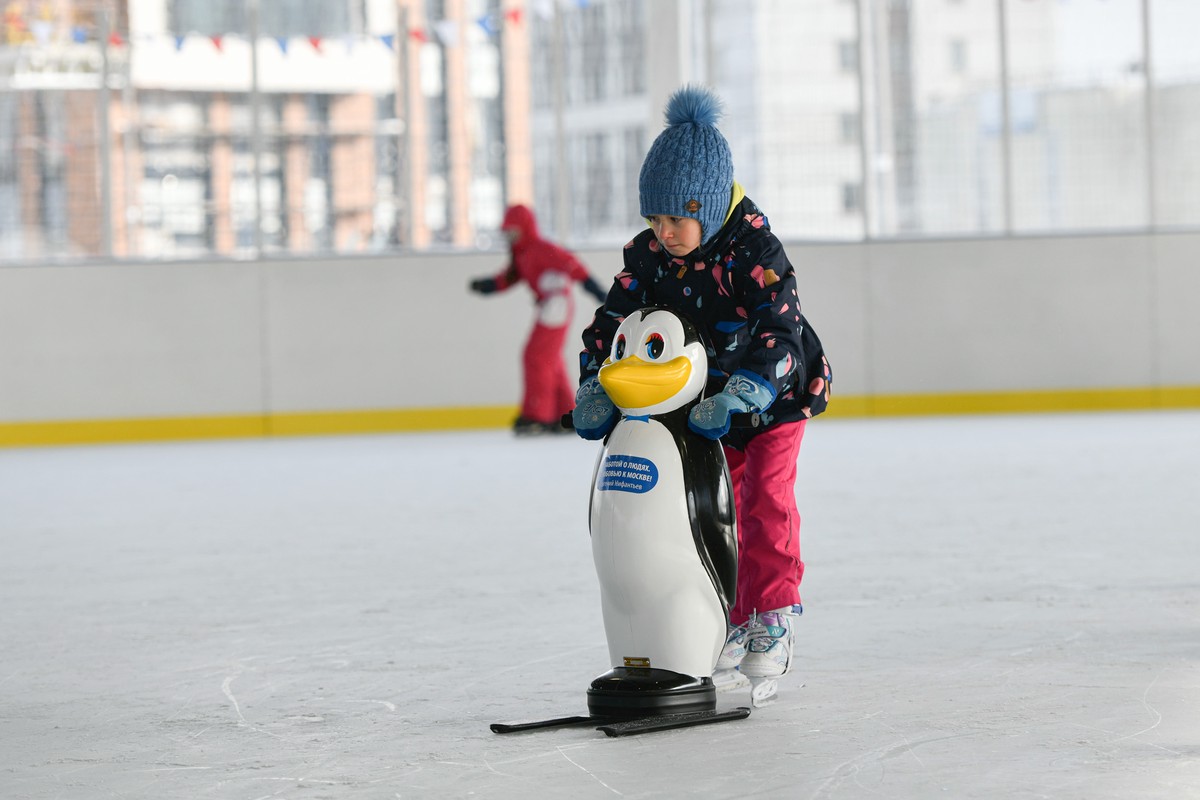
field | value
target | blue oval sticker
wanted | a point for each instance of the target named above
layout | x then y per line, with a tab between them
627	474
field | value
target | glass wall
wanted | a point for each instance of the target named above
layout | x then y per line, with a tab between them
154	129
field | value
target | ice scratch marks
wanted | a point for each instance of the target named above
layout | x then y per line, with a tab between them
229	679
490	768
526	664
562	751
1154	712
242	721
850	769
385	703
507	769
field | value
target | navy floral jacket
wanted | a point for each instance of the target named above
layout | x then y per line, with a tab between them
740	292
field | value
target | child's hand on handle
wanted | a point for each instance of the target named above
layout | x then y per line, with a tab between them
594	414
744	393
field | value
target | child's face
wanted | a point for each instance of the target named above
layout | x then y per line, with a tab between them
679	235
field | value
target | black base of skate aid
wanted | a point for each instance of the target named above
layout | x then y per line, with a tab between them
625	702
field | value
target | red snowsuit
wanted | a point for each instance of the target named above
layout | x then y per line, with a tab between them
551	271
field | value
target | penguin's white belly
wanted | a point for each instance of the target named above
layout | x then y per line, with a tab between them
660	607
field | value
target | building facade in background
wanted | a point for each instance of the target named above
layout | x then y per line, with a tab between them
369	126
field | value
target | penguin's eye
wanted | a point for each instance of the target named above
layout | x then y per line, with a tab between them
655	345
619	351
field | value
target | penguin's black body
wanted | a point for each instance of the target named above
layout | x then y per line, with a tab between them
664	534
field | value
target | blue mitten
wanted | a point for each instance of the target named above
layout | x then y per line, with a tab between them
744	392
594	414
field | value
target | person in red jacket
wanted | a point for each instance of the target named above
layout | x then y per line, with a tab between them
550	271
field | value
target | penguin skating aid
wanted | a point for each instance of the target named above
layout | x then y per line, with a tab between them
664	539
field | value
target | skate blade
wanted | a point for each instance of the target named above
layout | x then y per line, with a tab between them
728	680
763	691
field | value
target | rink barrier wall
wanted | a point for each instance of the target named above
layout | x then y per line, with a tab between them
77	432
140	351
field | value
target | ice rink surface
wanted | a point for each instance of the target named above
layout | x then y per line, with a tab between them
996	607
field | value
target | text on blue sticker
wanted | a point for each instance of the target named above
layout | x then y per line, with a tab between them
627	474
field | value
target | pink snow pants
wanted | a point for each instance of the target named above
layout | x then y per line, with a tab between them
768	521
548	393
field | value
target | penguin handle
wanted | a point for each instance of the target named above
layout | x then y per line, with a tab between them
747	420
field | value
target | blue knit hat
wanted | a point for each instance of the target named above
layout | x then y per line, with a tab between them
688	171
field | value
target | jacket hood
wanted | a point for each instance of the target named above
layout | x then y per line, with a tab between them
521	218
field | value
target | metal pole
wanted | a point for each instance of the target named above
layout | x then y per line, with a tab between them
404	194
710	75
1148	107
561	185
255	128
105	144
864	160
1005	121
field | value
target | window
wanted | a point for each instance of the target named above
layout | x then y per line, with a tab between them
849	127
958	56
851	198
848	56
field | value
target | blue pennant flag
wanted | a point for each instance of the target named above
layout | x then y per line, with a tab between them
488	23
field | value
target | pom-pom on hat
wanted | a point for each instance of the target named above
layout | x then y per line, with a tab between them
688	171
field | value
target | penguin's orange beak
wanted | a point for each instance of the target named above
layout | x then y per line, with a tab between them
634	383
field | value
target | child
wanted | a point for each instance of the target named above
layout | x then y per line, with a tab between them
710	255
550	271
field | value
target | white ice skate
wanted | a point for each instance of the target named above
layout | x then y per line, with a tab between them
726	675
729	680
769	653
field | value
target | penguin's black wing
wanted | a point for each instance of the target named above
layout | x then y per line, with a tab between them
710	509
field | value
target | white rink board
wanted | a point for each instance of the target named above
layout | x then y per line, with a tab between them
136	341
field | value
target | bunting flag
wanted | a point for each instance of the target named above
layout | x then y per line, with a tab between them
315	41
78	34
418	35
513	15
282	41
115	40
179	40
41	30
218	42
488	23
389	40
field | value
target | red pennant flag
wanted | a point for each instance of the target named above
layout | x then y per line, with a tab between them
315	41
217	43
115	39
418	35
513	15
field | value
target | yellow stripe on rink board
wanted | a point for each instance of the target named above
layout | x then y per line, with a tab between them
68	432
1058	400
323	423
393	421
100	431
